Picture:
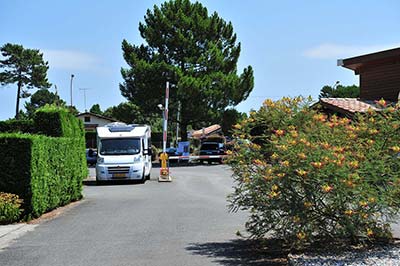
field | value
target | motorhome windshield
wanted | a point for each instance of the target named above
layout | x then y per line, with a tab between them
128	146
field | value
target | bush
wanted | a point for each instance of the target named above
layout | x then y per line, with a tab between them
9	208
305	177
23	126
46	172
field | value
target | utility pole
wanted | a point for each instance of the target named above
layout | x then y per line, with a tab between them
177	123
84	95
72	77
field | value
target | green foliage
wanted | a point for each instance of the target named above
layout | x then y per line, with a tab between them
13	125
40	99
197	53
25	67
340	92
95	109
230	118
46	172
305	177
9	208
126	112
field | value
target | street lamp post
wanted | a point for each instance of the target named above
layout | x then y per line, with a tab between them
72	77
161	107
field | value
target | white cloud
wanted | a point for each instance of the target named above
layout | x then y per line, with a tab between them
71	60
337	51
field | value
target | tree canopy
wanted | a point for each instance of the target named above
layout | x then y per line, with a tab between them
25	67
340	91
95	109
197	53
40	98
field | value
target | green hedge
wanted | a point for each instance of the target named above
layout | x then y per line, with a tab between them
23	126
45	171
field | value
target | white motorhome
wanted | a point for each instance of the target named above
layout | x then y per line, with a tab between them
124	152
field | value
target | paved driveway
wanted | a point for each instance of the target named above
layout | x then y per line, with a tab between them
180	223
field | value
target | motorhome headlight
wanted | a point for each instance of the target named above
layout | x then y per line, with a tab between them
100	160
136	160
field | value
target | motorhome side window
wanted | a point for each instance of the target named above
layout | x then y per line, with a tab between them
126	146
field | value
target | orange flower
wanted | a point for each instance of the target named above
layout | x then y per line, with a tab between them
237	126
229	152
327	188
370	233
349	183
317	165
381	102
274	188
354	164
325	145
280	175
259	162
294	134
279	132
363	203
302	155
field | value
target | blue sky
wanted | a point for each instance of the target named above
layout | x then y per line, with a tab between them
291	45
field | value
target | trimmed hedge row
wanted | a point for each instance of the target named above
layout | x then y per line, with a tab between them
45	171
23	126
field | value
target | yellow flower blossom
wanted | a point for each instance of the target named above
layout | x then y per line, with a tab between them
302	155
274	156
370	233
274	187
395	148
349	212
285	163
301	235
327	188
301	172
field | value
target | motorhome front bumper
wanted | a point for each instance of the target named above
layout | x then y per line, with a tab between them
113	172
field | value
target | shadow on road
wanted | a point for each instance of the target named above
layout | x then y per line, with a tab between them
242	252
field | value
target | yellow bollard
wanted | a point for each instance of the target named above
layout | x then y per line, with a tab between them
164	170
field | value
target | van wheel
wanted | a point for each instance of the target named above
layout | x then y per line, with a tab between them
143	179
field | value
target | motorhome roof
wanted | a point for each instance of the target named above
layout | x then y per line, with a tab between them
122	130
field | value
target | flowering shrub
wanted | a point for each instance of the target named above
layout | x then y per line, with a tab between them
306	177
9	208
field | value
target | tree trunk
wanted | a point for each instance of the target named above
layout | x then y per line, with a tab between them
17	105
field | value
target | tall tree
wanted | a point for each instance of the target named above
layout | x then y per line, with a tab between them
340	91
231	117
96	109
25	67
197	53
41	98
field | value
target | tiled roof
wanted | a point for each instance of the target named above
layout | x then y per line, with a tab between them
207	131
352	105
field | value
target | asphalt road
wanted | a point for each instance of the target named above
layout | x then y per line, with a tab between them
185	222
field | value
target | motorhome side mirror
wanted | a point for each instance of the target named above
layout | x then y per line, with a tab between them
147	152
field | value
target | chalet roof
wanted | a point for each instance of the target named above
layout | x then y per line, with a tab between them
348	105
206	131
378	58
97	115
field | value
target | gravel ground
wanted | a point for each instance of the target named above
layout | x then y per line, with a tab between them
382	256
